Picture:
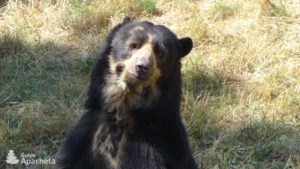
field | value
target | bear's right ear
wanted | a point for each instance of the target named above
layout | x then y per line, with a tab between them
126	20
186	45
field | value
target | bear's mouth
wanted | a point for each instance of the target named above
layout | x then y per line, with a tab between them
134	77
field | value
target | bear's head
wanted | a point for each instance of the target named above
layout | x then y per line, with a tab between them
140	57
142	52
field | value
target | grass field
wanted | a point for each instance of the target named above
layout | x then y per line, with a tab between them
241	83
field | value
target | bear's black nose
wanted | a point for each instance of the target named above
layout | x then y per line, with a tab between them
141	68
142	71
143	65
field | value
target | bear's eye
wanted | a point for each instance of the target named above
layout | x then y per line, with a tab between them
134	45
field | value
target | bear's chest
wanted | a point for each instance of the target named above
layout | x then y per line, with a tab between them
109	142
117	149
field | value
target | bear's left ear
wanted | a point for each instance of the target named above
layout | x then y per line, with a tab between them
127	19
186	46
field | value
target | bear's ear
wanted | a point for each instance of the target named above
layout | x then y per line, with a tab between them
126	20
186	46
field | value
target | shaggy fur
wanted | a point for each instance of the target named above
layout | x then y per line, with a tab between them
133	107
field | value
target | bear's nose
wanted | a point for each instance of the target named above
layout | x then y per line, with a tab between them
142	68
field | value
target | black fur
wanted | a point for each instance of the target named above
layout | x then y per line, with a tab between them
158	139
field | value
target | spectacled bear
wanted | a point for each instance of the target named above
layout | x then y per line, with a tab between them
133	107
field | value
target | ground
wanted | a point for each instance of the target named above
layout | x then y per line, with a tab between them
241	83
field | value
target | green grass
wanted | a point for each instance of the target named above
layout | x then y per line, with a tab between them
41	93
147	5
223	10
275	8
241	87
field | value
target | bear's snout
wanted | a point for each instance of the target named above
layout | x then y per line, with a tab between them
143	67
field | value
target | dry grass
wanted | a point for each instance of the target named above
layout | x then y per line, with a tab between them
241	85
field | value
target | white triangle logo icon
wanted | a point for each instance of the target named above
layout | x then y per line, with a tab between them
11	158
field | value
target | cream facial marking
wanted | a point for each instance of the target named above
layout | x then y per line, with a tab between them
139	28
124	89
